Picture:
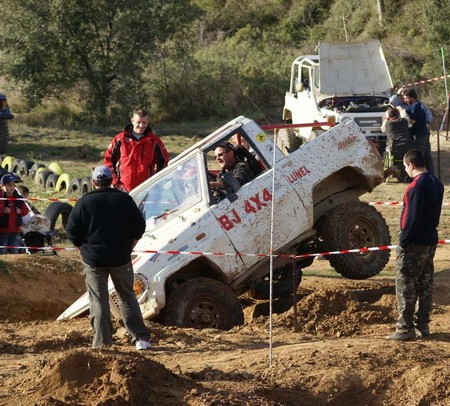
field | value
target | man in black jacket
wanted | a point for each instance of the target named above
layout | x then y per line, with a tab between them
419	219
106	225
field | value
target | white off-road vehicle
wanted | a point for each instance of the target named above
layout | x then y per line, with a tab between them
344	81
206	251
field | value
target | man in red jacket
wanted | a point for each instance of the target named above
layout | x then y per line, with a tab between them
135	154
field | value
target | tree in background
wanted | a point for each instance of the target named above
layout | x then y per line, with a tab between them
98	48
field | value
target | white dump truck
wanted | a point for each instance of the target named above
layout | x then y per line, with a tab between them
200	252
344	81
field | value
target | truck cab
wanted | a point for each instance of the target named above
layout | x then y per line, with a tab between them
344	81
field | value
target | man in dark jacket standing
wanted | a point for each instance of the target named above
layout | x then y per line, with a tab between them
106	225
419	219
135	154
420	130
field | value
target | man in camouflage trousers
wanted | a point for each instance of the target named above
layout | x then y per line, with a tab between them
422	203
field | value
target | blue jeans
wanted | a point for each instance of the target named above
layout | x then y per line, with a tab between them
96	279
10	240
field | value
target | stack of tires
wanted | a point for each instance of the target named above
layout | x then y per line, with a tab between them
51	178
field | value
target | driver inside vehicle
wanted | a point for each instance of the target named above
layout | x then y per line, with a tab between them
233	173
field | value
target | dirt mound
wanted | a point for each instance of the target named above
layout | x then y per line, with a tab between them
76	375
36	287
334	352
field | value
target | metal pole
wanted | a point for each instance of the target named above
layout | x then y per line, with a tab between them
445	75
272	212
294	295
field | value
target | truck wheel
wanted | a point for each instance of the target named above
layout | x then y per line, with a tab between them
203	303
58	214
287	141
283	283
355	225
316	132
4	136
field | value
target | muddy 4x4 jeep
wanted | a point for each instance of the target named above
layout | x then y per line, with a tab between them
204	251
344	81
5	115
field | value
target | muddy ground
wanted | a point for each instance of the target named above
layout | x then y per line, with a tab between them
333	353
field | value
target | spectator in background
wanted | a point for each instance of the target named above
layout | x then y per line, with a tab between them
106	224
135	154
420	129
397	100
12	209
398	139
419	219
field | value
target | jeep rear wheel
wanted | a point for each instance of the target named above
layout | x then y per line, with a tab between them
203	303
355	225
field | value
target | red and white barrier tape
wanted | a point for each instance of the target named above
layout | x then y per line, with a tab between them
421	82
222	254
374	203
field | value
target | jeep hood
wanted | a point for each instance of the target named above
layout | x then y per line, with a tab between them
353	68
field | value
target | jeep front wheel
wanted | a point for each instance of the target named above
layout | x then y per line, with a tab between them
203	303
355	225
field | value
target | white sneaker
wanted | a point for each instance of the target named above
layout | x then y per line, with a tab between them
142	345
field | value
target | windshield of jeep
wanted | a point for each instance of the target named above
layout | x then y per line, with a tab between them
171	194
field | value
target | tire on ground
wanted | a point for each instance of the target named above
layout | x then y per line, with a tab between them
52	180
85	185
34	169
14	166
4	135
58	211
55	167
203	303
23	167
8	161
355	225
74	186
41	178
62	185
287	141
283	284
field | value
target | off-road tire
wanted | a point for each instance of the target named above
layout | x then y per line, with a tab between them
203	303
316	132
284	283
56	210
41	178
52	180
33	170
355	225
85	185
287	141
23	167
74	186
4	135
